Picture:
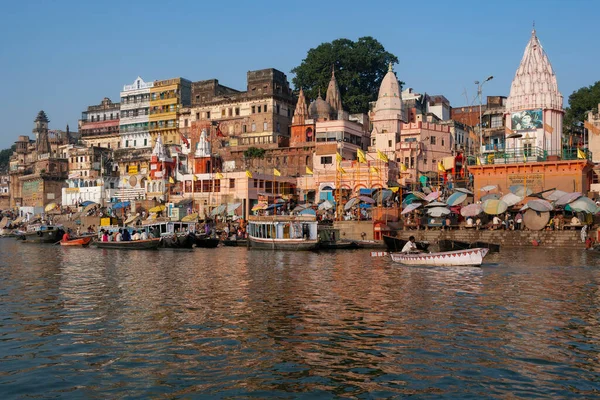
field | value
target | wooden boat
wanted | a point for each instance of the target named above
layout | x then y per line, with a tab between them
42	234
206	242
235	242
494	248
329	239
469	257
81	241
451	245
394	244
283	232
148	244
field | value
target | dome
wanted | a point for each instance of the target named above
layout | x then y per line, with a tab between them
320	109
389	93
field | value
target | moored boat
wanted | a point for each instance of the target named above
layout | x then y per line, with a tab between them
396	244
235	242
148	244
283	232
468	257
81	241
206	242
42	234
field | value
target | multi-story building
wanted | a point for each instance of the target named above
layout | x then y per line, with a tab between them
135	112
99	125
167	98
4	191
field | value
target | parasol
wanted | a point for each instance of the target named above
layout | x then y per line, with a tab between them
259	206
438	211
231	207
87	203
218	210
50	207
462	190
88	207
190	218
471	210
567	198
350	203
132	219
157	209
326	205
511	199
540	205
491	196
121	204
382	195
433	196
582	204
436	204
494	207
456	198
420	195
307	211
535	220
553	195
520	190
488	188
366	199
410	208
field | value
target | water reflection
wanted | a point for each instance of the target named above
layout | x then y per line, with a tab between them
232	322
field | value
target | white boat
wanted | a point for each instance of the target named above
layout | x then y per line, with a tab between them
473	257
283	232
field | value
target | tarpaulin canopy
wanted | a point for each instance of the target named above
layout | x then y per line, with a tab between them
218	210
433	196
456	198
471	210
121	204
582	204
567	198
307	211
494	207
231	207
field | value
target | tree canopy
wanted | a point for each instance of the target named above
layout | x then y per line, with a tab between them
580	102
359	69
5	157
254	152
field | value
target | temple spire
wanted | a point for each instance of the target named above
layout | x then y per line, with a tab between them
301	111
334	97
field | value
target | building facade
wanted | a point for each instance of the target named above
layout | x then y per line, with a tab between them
167	98
99	125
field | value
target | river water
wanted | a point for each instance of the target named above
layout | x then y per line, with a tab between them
238	323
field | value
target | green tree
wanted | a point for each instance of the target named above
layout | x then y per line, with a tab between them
254	152
5	158
359	69
580	102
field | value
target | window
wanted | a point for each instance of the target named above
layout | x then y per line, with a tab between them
127	143
496	121
389	143
185	122
145	142
527	147
442	141
253	109
253	127
231	183
134	143
278	127
208	115
259	107
432	140
425	162
265	108
237	111
230	112
265	126
222	112
277	108
326	160
243	128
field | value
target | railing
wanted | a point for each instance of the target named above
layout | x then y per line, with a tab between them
492	147
534	154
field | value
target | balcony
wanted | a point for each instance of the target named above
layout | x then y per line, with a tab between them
535	154
492	147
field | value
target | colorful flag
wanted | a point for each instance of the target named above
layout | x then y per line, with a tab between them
248	174
309	171
171	180
360	155
276	172
124	180
219	133
441	167
581	154
374	170
341	170
219	175
383	157
394	189
478	161
338	157
548	128
195	178
403	167
149	178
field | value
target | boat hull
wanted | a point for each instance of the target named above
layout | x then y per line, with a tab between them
84	241
338	245
49	236
283	244
457	258
235	243
207	242
150	244
178	242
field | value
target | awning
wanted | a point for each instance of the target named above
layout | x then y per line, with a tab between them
231	207
366	192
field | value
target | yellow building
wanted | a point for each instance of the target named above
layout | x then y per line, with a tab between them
167	97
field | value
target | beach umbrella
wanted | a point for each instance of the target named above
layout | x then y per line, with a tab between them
308	211
419	195
273	206
436	204
132	219
231	207
121	204
488	188
382	195
159	208
218	210
540	205
494	207
259	206
433	196
410	198
350	203
491	196
471	210
582	204
438	211
456	198
87	203
326	205
553	195
567	198
463	190
366	199
511	199
520	190
50	206
535	220
411	207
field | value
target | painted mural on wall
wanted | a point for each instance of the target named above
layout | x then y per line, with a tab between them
527	119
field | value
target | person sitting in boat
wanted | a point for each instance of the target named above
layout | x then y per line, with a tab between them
136	236
126	235
119	236
66	237
104	236
143	235
410	246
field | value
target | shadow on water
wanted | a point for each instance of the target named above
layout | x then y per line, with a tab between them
229	322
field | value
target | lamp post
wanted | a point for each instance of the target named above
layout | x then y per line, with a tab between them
479	86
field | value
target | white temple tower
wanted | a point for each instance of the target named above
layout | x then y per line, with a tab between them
388	115
534	108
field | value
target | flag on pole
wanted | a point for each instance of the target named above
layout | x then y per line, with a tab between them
276	172
382	156
338	157
403	167
360	155
219	175
309	171
548	128
195	178
581	154
478	161
441	167
341	170
124	180
171	180
524	157
149	178
374	170
248	174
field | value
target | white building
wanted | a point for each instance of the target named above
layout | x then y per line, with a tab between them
135	104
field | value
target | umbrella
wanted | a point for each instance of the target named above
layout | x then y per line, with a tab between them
567	198
511	199
419	195
540	205
231	207
491	196
438	211
132	219
462	190
218	210
121	204
582	204
494	207
326	205
50	207
535	220
382	195
433	196
351	203
366	199
157	209
280	201
426	190
488	188
436	204
272	206
410	198
89	207
87	203
471	210
456	198
520	190
190	217
259	206
308	211
300	207
553	195
410	208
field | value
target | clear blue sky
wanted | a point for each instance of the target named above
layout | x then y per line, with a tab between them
62	56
